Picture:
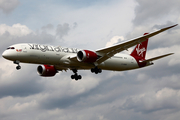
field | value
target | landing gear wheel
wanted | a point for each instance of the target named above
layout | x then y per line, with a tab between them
96	70
76	76
72	76
92	70
18	67
79	77
17	62
100	71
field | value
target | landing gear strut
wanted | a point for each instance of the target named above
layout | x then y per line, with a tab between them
17	62
96	70
75	76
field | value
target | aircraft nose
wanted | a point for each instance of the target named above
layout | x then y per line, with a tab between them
4	54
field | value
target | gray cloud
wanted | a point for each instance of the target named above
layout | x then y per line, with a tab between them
13	34
153	101
48	27
75	25
10	37
19	83
62	30
147	93
21	88
8	6
148	11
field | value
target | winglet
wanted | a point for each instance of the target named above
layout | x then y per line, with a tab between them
159	31
169	27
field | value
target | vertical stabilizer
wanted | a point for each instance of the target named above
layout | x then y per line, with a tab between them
140	50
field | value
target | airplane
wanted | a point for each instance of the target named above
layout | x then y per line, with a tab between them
57	58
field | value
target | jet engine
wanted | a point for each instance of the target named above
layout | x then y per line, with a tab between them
46	70
86	56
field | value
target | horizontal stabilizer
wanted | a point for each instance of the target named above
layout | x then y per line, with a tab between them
156	58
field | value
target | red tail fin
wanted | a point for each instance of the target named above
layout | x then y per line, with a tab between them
140	50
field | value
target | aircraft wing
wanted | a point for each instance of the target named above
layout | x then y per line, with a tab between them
108	52
156	58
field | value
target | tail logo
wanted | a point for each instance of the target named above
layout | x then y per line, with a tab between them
140	51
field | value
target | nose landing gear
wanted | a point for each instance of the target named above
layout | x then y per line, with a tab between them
17	62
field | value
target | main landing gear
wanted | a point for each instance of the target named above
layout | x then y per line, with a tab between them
75	76
96	70
17	62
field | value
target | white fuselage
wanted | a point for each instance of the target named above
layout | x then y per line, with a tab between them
59	57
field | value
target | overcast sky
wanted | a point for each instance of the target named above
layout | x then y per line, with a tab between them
151	93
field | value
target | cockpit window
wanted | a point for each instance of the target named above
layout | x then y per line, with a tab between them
10	48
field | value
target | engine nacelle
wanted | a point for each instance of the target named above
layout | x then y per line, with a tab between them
46	70
86	56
